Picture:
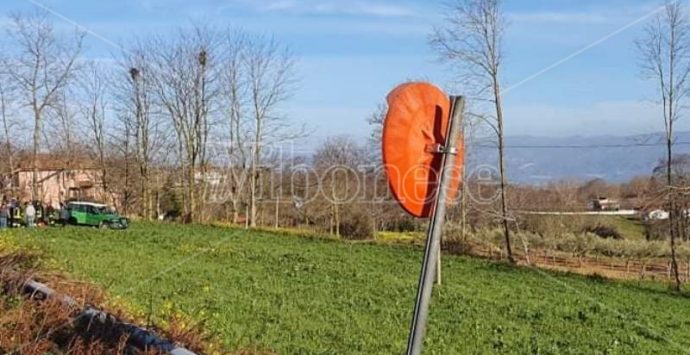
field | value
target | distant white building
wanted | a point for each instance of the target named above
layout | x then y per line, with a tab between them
604	204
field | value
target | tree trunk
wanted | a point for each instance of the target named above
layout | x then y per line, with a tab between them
235	211
256	157
144	191
253	196
36	138
104	176
277	211
501	160
671	203
191	193
8	144
125	201
337	220
246	218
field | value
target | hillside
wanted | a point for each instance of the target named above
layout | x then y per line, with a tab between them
288	294
535	160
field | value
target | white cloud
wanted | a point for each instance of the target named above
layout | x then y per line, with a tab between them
599	14
335	7
354	26
561	17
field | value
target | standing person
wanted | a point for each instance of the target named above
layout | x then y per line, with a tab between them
30	215
14	212
64	214
4	215
38	214
49	214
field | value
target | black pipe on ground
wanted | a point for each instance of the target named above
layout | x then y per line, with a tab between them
93	320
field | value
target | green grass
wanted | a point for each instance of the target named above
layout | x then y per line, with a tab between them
629	228
298	295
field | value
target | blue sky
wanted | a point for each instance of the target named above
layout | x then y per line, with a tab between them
351	53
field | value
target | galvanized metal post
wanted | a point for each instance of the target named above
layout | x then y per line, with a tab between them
433	240
438	266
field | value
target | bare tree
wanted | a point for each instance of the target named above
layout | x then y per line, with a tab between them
472	41
123	184
61	134
44	65
185	82
337	160
134	94
235	97
8	124
142	127
375	177
270	79
665	54
93	111
375	120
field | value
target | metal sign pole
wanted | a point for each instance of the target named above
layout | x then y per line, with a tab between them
433	240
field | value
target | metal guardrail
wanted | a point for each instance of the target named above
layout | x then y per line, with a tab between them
138	336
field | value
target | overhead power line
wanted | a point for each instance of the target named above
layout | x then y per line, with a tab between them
575	146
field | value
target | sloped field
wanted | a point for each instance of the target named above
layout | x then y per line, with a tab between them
274	293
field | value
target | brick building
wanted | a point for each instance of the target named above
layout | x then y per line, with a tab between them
58	180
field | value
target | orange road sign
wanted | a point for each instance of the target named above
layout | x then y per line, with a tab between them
414	135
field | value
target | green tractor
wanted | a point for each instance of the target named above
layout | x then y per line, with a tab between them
95	215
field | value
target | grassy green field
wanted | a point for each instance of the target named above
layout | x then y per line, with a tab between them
297	295
630	228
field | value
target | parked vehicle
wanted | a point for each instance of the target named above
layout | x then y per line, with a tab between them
95	215
656	215
604	204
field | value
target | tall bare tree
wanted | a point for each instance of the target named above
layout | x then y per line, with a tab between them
61	134
134	94
185	82
665	54
44	64
235	97
270	78
7	92
93	111
471	40
122	152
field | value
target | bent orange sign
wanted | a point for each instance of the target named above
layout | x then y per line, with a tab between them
415	128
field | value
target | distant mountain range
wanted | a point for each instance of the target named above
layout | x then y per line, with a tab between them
537	160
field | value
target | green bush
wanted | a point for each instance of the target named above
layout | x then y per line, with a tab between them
605	232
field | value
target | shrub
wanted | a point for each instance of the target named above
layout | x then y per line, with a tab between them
606	232
551	225
406	225
656	230
456	247
357	225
